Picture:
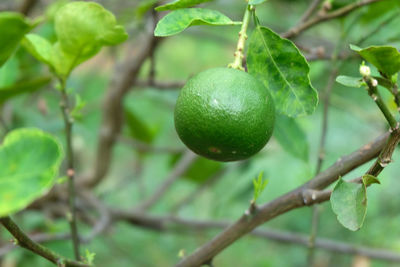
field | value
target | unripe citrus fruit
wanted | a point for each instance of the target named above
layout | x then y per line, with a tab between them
224	114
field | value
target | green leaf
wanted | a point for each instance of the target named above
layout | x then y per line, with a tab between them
348	81
9	72
39	47
178	20
259	186
63	62
82	28
349	203
178	4
291	137
256	2
369	179
138	129
284	71
143	7
202	169
89	257
29	160
50	54
385	58
76	112
13	27
22	87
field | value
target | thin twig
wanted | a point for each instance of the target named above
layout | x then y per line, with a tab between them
310	10
378	28
313	234
105	218
373	92
160	84
27	6
24	241
296	30
68	124
37	238
152	56
321	157
326	102
323	57
184	163
176	224
192	196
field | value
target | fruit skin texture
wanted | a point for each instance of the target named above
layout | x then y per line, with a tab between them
224	114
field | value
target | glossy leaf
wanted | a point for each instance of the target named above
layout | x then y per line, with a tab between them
29	160
283	70
385	58
178	20
22	87
256	2
82	28
348	81
291	137
51	54
39	47
349	203
13	27
64	62
177	4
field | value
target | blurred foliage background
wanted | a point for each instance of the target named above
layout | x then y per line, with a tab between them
354	120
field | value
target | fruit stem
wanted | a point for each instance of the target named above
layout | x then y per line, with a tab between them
239	53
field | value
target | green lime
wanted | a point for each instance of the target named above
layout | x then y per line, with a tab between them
224	114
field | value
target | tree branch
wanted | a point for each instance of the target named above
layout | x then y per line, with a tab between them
293	32
160	84
291	200
37	238
374	94
27	6
310	10
27	243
